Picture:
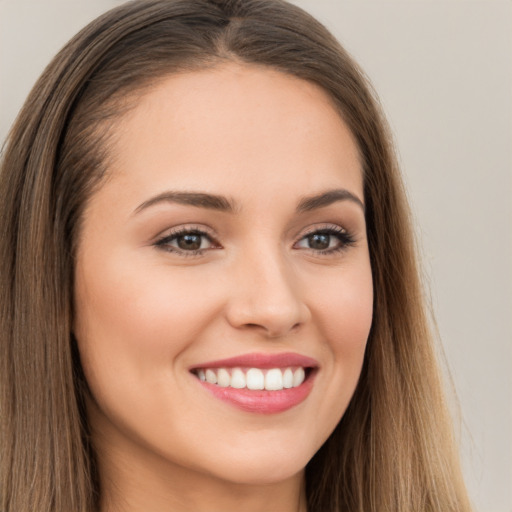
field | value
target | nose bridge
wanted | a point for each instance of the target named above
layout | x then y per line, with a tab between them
266	293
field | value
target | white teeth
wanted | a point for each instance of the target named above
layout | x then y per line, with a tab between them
238	379
211	377
298	377
223	378
274	379
255	379
288	378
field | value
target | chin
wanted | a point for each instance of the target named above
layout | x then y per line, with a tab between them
263	464
258	472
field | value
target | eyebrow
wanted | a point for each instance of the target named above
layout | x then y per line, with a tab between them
223	204
327	198
198	199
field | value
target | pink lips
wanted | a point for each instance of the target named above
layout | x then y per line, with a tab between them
262	401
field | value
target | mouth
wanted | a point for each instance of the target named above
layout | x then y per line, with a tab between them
259	383
256	379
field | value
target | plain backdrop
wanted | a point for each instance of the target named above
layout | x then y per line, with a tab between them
443	71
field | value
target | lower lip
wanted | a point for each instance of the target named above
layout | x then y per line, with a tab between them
262	401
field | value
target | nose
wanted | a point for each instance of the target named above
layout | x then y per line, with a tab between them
266	296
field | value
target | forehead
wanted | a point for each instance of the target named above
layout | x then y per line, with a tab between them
238	127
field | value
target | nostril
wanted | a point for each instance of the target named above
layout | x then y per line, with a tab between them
271	314
268	331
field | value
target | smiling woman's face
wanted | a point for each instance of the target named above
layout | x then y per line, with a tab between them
228	245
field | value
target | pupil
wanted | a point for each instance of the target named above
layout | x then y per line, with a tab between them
319	241
189	242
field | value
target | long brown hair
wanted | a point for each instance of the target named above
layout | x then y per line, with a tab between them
392	451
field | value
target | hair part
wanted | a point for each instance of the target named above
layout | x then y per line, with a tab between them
393	450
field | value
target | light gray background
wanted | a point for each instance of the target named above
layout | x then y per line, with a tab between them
443	70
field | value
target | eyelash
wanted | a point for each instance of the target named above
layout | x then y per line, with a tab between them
163	243
344	237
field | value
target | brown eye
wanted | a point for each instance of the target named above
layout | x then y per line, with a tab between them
189	242
319	241
186	242
326	241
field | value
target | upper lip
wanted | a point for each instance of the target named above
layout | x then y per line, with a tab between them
261	360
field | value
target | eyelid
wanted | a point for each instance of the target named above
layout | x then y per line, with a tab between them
319	227
345	237
161	241
185	228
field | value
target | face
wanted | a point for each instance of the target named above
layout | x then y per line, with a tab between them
223	283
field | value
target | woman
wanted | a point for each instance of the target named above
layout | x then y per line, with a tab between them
209	293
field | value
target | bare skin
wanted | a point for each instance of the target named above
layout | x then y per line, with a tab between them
232	223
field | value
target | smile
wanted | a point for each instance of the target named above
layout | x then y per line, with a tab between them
273	379
259	383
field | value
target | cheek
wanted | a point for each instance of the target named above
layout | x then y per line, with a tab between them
132	327
346	309
342	308
133	319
